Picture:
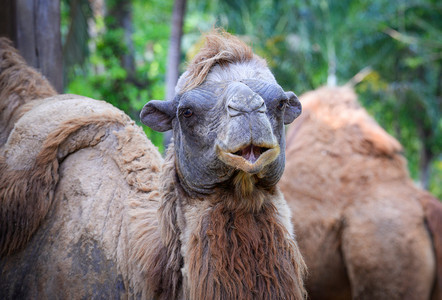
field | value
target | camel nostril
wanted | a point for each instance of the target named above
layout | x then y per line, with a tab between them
233	111
262	108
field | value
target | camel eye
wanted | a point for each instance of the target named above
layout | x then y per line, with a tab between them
282	104
187	113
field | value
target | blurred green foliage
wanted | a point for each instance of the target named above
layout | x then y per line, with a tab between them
307	43
101	75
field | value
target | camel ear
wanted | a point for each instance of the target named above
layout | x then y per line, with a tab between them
293	109
158	115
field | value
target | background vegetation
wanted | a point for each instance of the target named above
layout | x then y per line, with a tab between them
117	50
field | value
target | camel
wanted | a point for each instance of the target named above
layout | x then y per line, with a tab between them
90	209
367	231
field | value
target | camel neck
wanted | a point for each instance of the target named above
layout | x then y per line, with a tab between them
229	253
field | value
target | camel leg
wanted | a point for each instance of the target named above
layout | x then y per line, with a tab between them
388	252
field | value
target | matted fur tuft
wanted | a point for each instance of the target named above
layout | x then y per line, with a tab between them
19	84
244	184
220	48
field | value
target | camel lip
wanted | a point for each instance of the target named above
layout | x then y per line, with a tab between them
250	158
251	152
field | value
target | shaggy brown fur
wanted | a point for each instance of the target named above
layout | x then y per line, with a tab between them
363	220
19	84
221	48
238	254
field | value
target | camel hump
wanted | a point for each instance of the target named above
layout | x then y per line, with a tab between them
29	160
19	84
338	109
433	215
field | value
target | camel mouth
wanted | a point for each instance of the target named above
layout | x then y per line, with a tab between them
251	158
251	152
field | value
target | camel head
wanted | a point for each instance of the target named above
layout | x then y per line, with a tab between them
227	118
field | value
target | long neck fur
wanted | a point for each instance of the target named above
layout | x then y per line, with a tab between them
223	252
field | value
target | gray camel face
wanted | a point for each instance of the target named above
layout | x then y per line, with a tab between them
223	129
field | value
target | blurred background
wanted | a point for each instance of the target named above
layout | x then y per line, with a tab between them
129	52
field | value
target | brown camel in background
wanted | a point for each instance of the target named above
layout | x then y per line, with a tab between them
366	231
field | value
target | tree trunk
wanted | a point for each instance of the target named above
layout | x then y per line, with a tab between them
331	77
34	27
426	156
7	20
122	12
174	54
